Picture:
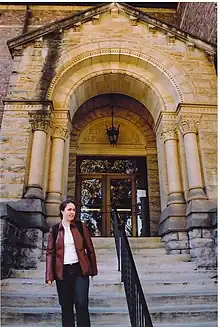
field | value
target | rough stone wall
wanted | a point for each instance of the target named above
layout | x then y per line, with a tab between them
11	22
208	144
200	19
153	193
14	145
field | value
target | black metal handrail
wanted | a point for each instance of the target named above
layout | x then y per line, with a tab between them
137	306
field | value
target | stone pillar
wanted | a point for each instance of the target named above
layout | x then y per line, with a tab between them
189	128
201	242
173	169
40	122
54	196
173	219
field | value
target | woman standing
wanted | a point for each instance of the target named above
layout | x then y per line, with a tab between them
70	260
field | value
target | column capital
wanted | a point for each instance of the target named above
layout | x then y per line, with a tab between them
60	132
169	132
189	124
40	120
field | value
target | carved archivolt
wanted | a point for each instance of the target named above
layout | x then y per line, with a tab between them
109	51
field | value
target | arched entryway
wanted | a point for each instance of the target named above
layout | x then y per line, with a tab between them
127	174
144	88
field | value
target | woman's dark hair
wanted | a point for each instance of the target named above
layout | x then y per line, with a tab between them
64	204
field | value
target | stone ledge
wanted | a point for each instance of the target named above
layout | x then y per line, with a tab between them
25	213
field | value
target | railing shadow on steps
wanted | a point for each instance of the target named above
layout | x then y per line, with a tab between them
137	306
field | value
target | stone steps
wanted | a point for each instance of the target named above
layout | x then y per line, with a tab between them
178	294
33	285
24	299
115	275
197	324
108	315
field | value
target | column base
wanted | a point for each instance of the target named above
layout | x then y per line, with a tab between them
177	243
201	226
197	194
172	229
175	198
34	192
173	219
52	204
202	247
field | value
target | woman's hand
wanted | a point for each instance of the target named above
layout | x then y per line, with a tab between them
50	282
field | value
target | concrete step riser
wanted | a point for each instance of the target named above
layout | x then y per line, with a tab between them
116	287
53	318
111	318
199	324
149	252
116	276
108	301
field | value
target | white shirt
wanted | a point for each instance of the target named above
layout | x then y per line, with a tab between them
70	255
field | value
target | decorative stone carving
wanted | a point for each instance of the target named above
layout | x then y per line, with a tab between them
114	12
40	120
189	124
171	38
38	43
96	20
152	28
59	132
169	132
77	26
17	52
133	20
190	46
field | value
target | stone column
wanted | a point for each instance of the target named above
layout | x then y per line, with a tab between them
202	246
40	122
54	195
189	128
173	169
172	226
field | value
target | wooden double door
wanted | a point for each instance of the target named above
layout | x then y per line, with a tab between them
95	194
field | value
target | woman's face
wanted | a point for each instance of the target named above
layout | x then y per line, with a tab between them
69	212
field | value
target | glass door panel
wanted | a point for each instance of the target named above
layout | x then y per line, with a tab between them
91	204
121	194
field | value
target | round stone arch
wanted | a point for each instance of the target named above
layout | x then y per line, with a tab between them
150	76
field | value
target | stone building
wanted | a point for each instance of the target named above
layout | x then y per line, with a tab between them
73	70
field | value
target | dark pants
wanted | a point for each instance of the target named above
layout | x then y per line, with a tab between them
74	290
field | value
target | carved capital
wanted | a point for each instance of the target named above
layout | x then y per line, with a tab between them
189	124
169	132
40	120
59	132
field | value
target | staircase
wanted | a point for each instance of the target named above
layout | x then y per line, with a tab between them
177	293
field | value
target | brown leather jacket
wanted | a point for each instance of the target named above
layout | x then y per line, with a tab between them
55	271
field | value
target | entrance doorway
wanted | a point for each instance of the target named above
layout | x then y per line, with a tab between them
103	181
